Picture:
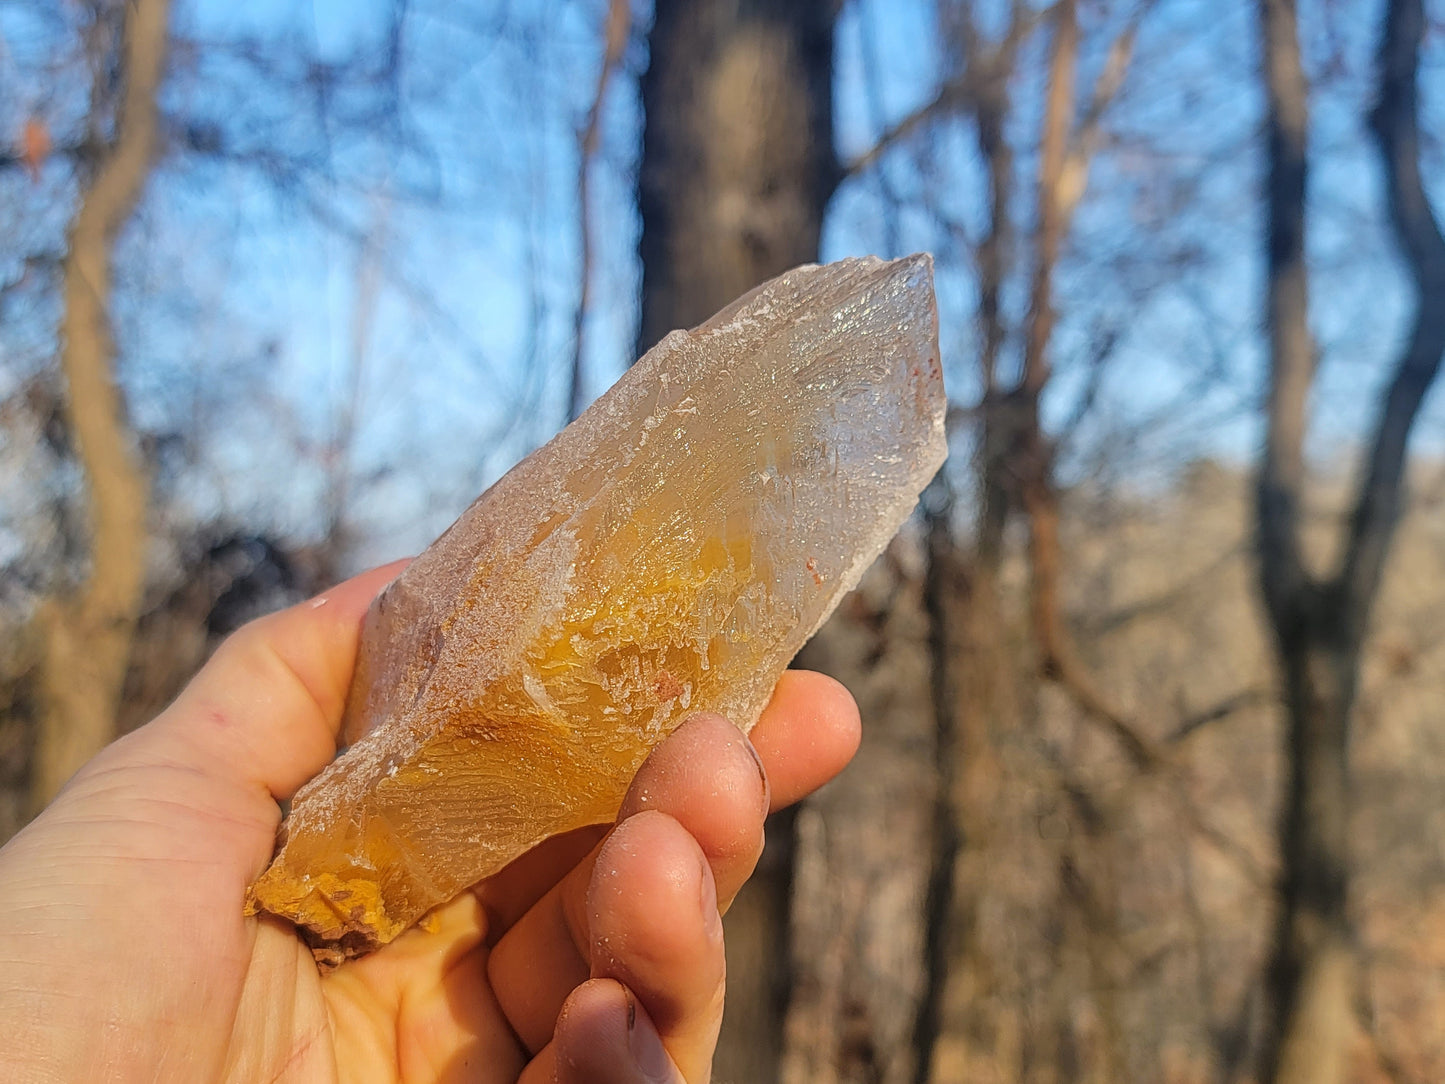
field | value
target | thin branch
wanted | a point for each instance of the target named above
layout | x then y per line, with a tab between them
1101	353
1417	231
18	160
991	112
340	451
1224	709
1258	875
1053	210
407	288
957	94
1111	621
1107	812
1059	659
619	25
872	93
1062	664
1385	1059
1106	87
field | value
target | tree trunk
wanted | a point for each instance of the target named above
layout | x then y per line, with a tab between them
1320	625
1312	964
1311	979
864	846
956	1033
737	168
737	151
972	694
87	636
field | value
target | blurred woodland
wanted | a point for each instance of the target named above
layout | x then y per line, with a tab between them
1151	784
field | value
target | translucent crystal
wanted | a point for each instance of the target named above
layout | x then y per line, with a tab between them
666	553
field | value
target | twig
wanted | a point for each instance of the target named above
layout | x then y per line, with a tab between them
1110	80
619	23
872	89
1230	705
954	96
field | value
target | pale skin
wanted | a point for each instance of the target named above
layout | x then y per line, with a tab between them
598	958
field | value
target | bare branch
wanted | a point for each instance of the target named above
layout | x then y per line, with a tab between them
1417	231
1108	812
957	94
619	25
991	112
1258	875
1058	657
339	452
1107	622
1062	664
1101	352
1292	352
1225	709
1053	219
872	92
1086	137
88	638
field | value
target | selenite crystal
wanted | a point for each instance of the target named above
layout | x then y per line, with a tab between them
668	552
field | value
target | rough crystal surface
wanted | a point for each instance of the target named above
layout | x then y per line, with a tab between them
667	553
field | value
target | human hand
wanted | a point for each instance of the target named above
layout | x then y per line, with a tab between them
124	954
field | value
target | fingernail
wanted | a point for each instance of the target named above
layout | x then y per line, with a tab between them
762	772
707	897
645	1046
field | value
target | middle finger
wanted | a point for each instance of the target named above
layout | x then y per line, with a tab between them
706	777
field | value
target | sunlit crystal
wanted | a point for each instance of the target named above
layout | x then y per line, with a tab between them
669	552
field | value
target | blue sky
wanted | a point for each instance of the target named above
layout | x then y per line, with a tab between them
456	256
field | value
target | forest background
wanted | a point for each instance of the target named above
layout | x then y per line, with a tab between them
1151	781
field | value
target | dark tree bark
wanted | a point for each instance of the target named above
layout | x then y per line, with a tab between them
87	635
1320	623
737	151
737	169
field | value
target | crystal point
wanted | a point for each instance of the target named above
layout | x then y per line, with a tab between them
668	552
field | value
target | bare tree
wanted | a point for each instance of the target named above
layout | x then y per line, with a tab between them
1016	477
1065	149
970	669
87	635
1320	622
143	132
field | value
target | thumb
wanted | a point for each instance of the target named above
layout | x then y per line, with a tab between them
266	710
